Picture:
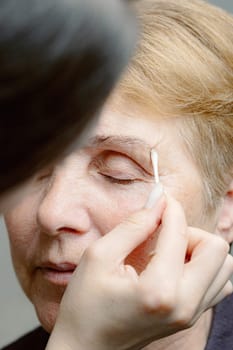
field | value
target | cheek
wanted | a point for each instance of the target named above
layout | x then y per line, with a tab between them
119	204
188	190
21	230
21	222
24	243
194	208
117	207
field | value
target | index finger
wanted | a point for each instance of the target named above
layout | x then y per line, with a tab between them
166	266
116	245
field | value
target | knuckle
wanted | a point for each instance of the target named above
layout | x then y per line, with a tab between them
185	318
184	321
219	244
162	303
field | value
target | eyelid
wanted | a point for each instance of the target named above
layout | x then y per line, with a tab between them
45	173
104	161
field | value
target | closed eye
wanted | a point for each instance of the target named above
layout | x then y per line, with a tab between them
44	174
119	181
118	168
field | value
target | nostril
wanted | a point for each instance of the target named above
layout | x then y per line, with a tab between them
69	230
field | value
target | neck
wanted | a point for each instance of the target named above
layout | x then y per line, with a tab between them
196	337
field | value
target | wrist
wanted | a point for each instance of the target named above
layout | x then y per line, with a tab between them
62	339
59	343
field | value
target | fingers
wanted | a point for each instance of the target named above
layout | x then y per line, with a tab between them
225	291
168	263
205	277
208	259
124	238
221	286
207	273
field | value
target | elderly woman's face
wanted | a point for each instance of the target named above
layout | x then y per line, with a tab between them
89	193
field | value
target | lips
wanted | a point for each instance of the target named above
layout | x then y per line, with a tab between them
58	274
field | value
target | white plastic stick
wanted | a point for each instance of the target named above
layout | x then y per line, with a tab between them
157	190
154	159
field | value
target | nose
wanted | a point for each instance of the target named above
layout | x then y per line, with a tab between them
62	209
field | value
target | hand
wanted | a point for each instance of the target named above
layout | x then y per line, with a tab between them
108	305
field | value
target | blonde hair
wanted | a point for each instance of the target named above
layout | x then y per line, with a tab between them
184	67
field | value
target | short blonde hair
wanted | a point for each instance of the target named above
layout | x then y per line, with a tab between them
184	67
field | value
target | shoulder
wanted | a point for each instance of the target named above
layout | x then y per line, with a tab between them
36	340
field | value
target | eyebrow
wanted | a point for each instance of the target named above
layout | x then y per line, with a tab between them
131	146
103	141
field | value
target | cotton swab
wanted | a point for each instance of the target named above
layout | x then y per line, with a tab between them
157	190
154	159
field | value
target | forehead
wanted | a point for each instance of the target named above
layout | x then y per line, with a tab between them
134	131
123	129
135	126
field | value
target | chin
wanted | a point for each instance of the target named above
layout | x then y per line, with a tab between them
47	315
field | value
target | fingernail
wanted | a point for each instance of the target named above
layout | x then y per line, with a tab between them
154	196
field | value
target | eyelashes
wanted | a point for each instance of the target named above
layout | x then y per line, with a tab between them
44	174
118	181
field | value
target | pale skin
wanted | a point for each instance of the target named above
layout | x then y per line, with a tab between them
87	212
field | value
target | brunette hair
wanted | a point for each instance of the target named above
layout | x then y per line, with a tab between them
59	60
184	67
